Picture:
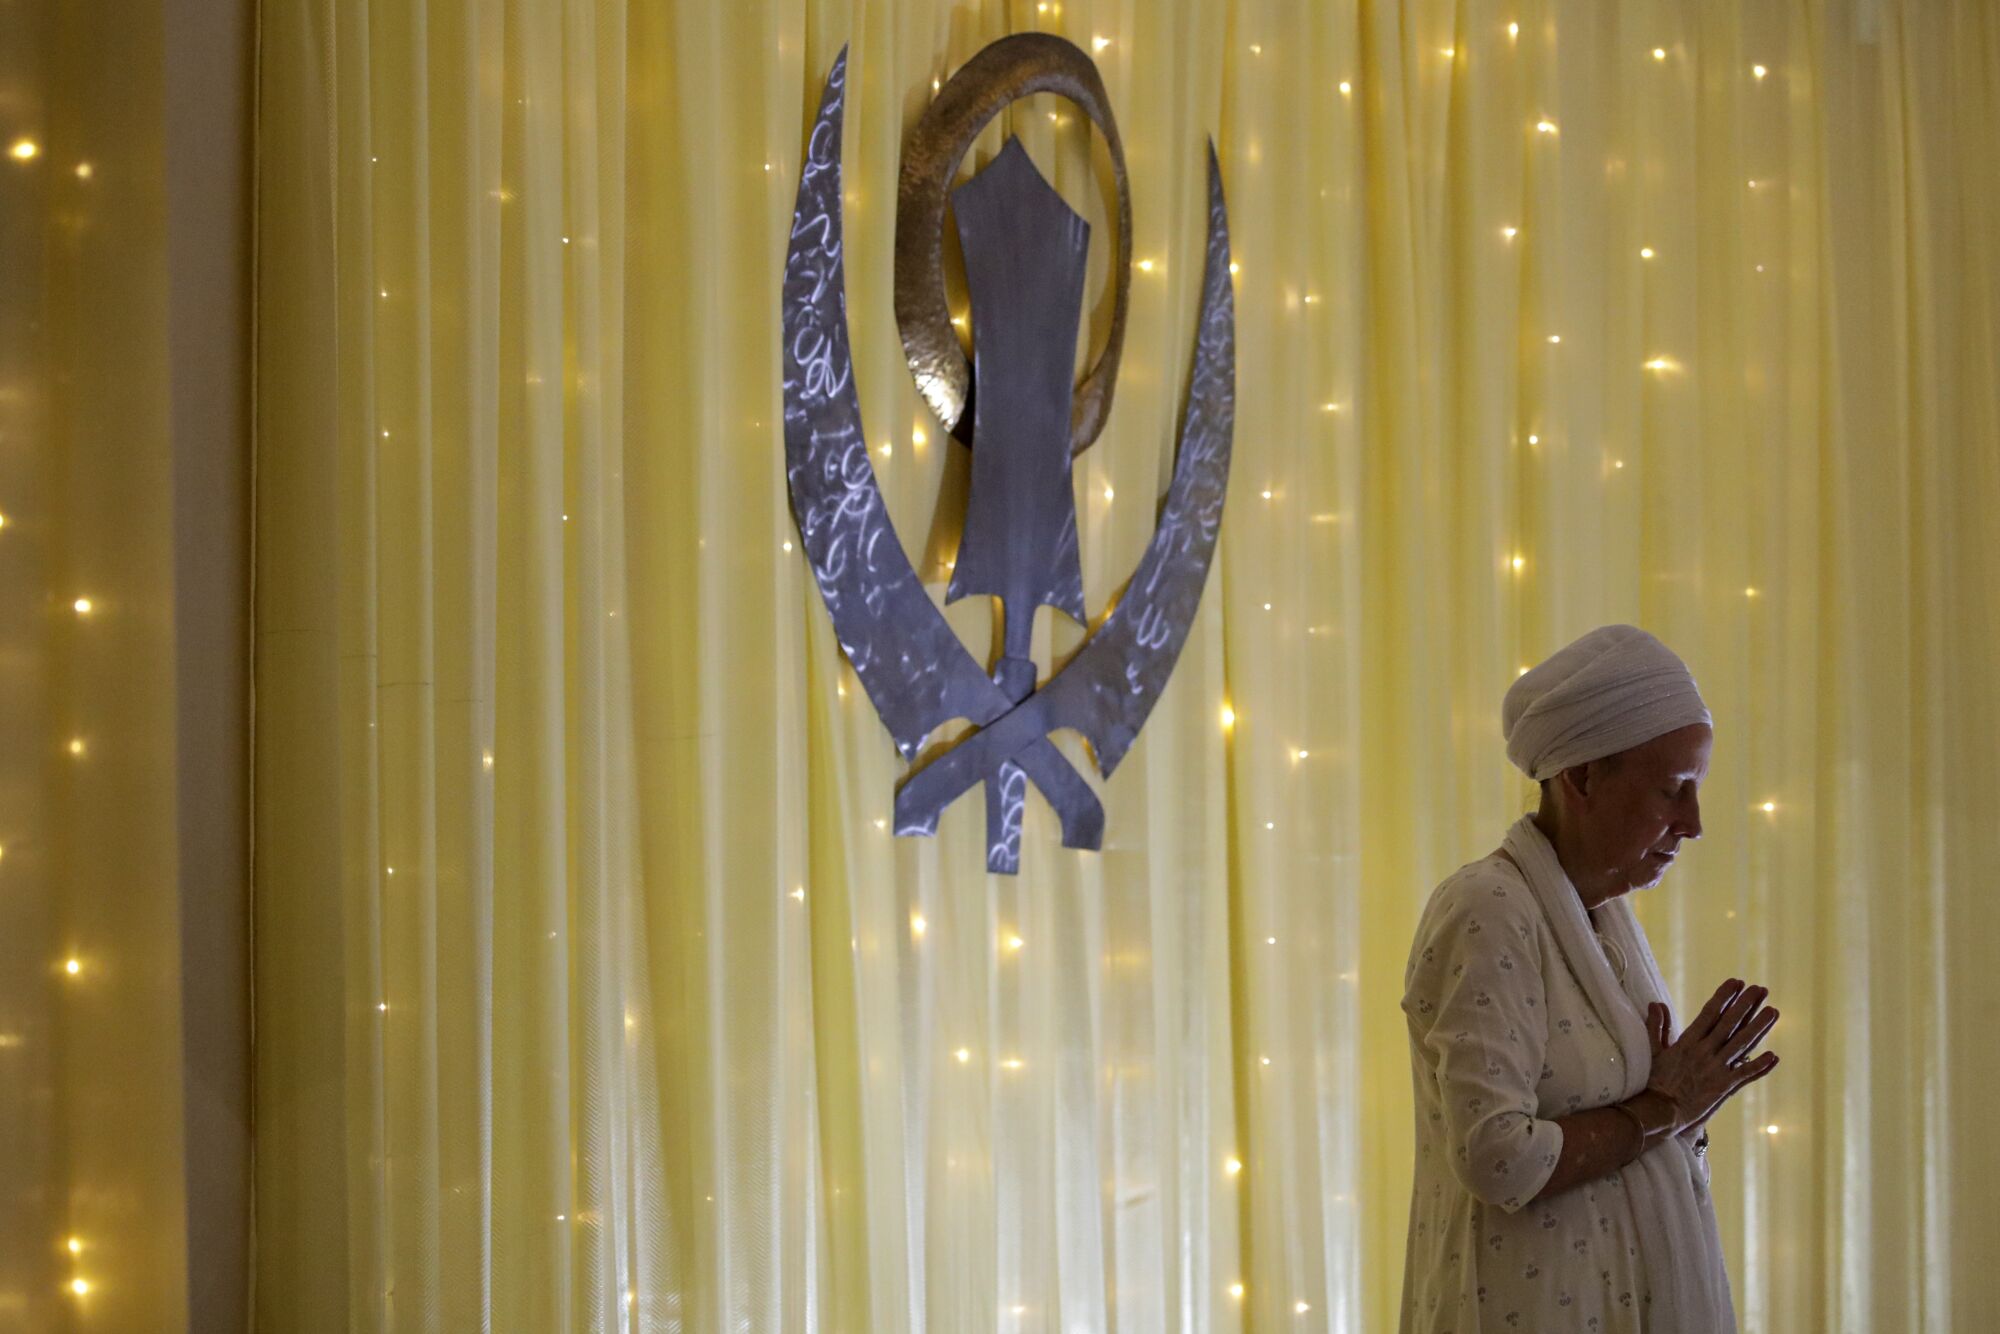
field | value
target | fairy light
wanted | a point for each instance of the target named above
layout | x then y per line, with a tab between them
963	1055
1263	1060
1270	940
1758	71
1145	266
1256	50
788	546
1301	1307
1520	671
882	824
1555	338
1663	364
1519	563
1232	1165
76	746
1545	126
1769	808
1236	1291
1448	52
24	150
1012	1063
1346	88
1266	493
1771	1129
1659	53
75	1245
1099	43
918	438
887	449
1234	268
1750	592
84	171
82	606
800	893
486	759
1510	232
1014	943
1534	439
1228	718
1513	32
1645	252
1299	755
1108	493
917	924
79	1286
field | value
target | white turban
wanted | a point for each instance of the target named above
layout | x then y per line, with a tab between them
1613	689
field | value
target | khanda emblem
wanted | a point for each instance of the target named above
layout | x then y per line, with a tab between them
1024	251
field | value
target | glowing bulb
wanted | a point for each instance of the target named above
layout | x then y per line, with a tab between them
1015	942
887	449
1145	266
1769	808
1302	754
1228	717
1546	126
382	1007
1346	88
1510	232
76	1246
1750	592
72	966
1270	940
76	746
963	1054
1663	364
1011	1063
1645	252
1267	493
1555	338
3	521
1521	672
1448	52
1301	1308
1520	563
1534	440
1256	50
1771	1129
83	171
1264	1060
881	824
1232	1165
1513	31
918	438
1659	53
83	606
788	544
1270	824
79	1286
24	150
1234	268
1236	1291
1759	71
1099	43
800	893
1108	493
917	923
767	167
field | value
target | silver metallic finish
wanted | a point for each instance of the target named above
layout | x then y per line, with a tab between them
1108	689
1001	73
916	672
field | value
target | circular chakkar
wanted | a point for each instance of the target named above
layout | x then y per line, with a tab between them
1003	73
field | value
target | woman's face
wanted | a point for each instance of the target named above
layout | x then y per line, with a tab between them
1636	810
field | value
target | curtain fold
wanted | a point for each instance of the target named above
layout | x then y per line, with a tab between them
93	1197
593	991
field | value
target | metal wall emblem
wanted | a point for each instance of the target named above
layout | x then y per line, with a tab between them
1024	252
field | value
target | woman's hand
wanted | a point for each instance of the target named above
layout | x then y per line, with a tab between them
1711	1060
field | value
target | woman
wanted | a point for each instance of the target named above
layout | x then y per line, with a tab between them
1562	1177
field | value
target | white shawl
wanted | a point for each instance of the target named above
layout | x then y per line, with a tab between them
1667	1186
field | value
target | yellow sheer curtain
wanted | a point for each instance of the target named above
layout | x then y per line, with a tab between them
592	991
92	1199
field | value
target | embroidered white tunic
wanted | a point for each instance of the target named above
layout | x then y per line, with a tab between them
1503	1039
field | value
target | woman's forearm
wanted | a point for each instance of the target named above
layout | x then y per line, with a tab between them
1598	1142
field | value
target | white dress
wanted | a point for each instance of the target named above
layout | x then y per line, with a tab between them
1504	1038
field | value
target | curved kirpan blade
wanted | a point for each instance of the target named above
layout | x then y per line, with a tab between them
1108	689
915	670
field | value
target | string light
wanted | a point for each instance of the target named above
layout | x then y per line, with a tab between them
918	438
800	893
1769	808
1256	50
24	150
1519	563
1099	43
76	746
1236	1291
1234	268
1750	592
83	171
1014	943
1534	439
1546	126
1555	338
1663	364
1771	1129
1232	1165
1513	31
1448	52
1346	88
1108	493
72	966
1267	493
917	924
1012	1063
1145	266
1301	1308
81	1287
1645	252
1228	717
82	606
964	1055
1659	53
1759	71
76	1246
887	449
1270	940
1510	232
